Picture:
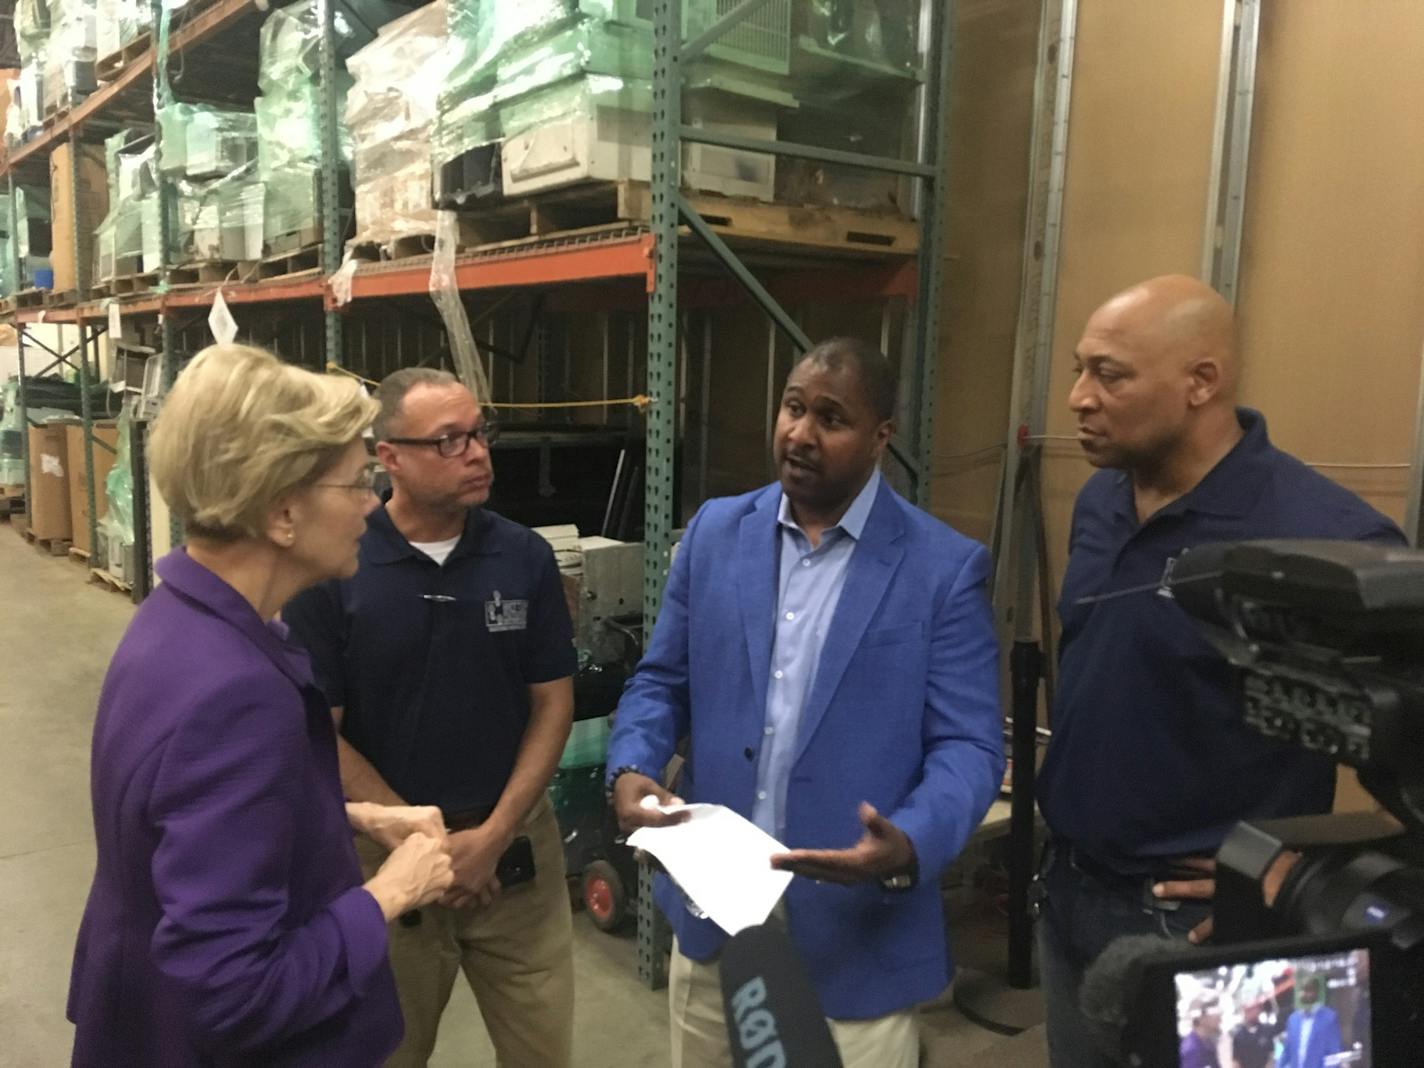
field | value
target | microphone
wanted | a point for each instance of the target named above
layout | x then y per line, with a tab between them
1109	987
774	1019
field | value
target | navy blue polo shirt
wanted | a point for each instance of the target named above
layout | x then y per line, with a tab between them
432	663
1149	758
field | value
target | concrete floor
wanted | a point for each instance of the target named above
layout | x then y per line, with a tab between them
57	633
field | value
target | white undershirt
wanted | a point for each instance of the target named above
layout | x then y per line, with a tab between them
437	550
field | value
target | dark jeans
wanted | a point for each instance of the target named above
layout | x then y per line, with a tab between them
1081	914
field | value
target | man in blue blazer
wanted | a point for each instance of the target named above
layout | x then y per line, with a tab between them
1312	1031
828	651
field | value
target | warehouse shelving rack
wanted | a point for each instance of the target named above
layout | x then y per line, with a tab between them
680	262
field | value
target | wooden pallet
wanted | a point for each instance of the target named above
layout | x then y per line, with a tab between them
301	261
211	272
112	65
7	305
57	299
408	246
296	241
602	204
53	546
31	298
78	555
123	285
99	577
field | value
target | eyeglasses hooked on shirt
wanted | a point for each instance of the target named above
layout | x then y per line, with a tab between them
456	442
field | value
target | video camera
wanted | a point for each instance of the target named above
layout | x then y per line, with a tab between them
1318	946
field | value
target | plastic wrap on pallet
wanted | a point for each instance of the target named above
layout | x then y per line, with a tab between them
390	113
70	52
13	430
227	223
585	48
32	24
118	522
290	41
204	142
445	292
30	93
120	21
32	220
118	240
484	30
182	218
292	200
872	31
7	273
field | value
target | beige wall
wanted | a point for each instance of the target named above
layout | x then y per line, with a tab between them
996	52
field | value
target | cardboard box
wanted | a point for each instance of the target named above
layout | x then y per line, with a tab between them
78	492
93	200
49	482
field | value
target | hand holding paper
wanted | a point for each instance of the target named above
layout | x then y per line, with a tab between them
721	860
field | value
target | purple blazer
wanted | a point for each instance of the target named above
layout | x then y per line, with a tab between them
226	924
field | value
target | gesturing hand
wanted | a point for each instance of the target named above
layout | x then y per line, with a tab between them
883	850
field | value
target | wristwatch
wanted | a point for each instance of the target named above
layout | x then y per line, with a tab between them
904	880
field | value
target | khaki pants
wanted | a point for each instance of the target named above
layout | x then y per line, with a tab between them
517	956
699	1028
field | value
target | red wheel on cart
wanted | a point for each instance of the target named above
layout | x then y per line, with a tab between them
604	896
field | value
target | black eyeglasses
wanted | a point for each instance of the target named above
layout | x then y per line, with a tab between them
365	481
456	442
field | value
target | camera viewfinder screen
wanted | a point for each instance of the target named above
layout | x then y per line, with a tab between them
1297	1012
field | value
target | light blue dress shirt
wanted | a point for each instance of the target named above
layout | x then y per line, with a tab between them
808	590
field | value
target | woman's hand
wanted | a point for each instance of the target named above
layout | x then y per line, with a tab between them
415	874
390	825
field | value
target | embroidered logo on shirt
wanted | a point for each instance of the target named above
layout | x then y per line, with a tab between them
506	615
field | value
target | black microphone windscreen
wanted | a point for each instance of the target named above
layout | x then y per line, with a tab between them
774	1018
1105	995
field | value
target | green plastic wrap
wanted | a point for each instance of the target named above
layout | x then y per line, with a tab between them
205	142
7	270
290	40
118	522
118	241
589	48
292	200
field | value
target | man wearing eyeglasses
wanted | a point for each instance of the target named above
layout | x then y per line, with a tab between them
448	660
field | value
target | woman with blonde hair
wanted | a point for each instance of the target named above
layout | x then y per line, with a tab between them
227	923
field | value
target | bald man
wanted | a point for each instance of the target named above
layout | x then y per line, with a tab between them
1149	765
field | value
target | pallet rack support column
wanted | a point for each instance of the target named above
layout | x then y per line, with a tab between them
86	407
1020	518
934	141
1231	148
168	334
23	397
330	199
666	175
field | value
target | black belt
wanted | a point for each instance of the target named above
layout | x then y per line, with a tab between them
1106	873
468	817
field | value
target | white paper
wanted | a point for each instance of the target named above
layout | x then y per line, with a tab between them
721	860
220	320
116	324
